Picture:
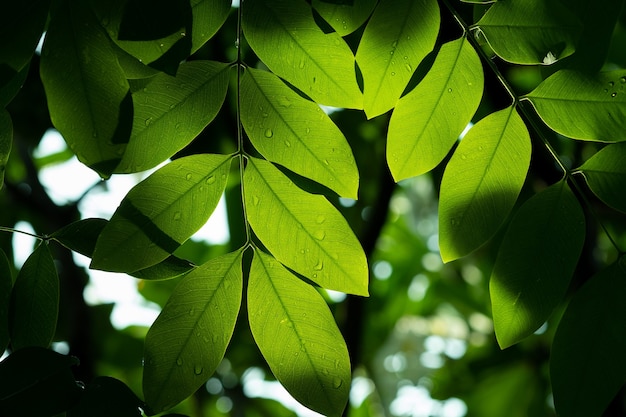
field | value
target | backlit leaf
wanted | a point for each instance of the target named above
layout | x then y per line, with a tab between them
481	182
303	231
21	25
87	91
345	18
428	121
606	175
188	340
297	335
587	363
527	32
208	17
396	39
535	263
285	36
6	284
294	132
6	142
80	236
171	111
161	212
35	301
583	106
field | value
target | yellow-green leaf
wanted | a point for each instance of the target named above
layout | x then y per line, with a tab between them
345	18
606	175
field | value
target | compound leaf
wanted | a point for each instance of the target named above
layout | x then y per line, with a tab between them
161	212
428	121
188	340
396	39
303	231
294	132
535	263
606	175
297	335
481	182
285	36
583	106
345	18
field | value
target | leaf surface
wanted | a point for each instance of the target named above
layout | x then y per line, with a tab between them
285	36
398	36
428	121
294	132
161	212
208	18
303	231
345	18
528	32
87	91
188	340
481	182
21	25
582	106
587	364
171	111
606	175
96	400
298	337
536	262
35	301
6	142
6	285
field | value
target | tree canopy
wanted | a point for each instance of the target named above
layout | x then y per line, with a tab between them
425	206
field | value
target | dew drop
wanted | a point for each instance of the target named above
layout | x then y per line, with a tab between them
179	361
337	382
320	235
172	106
408	67
394	44
80	384
148	121
326	162
198	369
308	130
464	157
191	311
622	80
393	74
606	90
449	90
210	180
178	215
255	200
288	144
188	176
264	114
284	101
319	266
613	94
268	133
177	126
611	83
301	65
320	219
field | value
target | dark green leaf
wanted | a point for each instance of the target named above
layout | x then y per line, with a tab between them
188	340
298	337
583	106
587	364
428	121
107	397
161	212
80	236
396	39
6	285
606	175
345	16
303	231
481	182
208	17
21	25
296	133
35	301
531	31
535	263
171	267
171	111
11	83
37	382
319	64
87	91
6	142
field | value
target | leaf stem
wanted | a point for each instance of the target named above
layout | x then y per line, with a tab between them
12	230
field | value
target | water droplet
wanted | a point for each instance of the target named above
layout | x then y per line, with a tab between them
198	369
179	361
308	130
178	215
80	384
326	162
611	83
284	101
394	44
393	74
449	90
183	34
191	311
320	235
337	382
210	180
613	94
148	121
286	322
464	157
606	90
268	133
320	219
177	126
319	266
408	67
264	114
288	144
255	200
622	80
301	65
188	176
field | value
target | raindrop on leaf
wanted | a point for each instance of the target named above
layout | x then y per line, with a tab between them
268	133
178	215
211	179
337	382
179	361
198	369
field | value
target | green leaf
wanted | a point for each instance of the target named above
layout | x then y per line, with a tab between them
530	32
396	39
171	267
37	382
345	18
96	400
80	236
583	106
6	141
536	262
88	95
6	285
481	182
161	212
606	175
188	340
587	363
285	36
298	337
35	301
427	122
10	84
171	111
303	231
208	17
21	25
294	132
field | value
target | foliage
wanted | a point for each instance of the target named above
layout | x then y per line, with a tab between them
282	106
